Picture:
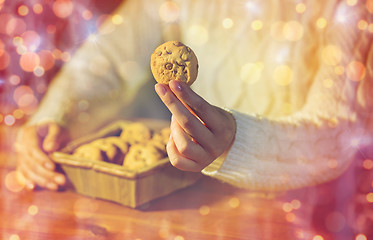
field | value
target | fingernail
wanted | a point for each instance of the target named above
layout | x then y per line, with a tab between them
51	185
59	179
177	85
49	165
30	186
48	146
160	89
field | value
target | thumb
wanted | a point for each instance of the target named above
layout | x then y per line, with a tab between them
51	141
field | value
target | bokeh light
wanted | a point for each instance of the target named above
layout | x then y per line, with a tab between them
331	55
300	8
290	217
51	29
15	26
169	11
351	2
361	237
321	23
117	19
18	114
46	59
355	71
368	164
296	204
256	25
234	202
29	61
38	8
14	237
23	10
339	70
31	40
287	207
253	8
318	237
369	197
9	120
227	23
13	182
283	75
63	8
204	210
33	210
86	14
164	232
22	95
14	80
293	30
198	35
39	71
362	24
65	56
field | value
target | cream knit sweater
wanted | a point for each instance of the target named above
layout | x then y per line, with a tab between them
297	76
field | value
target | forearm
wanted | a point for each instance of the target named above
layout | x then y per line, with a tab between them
289	153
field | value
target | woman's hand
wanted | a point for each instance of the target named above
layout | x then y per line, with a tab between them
32	146
200	132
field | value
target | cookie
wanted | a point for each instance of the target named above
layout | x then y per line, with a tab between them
160	139
110	149
136	133
141	155
117	141
89	152
174	61
114	148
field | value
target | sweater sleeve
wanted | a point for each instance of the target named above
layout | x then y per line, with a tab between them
106	71
317	143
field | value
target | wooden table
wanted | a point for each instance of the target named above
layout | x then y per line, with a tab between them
208	209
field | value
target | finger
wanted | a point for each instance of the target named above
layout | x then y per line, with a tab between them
43	169
44	178
205	111
186	120
185	144
51	141
34	176
41	158
178	161
24	178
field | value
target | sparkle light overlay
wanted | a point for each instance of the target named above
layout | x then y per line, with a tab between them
37	37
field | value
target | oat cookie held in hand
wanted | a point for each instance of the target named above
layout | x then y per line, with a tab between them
174	61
